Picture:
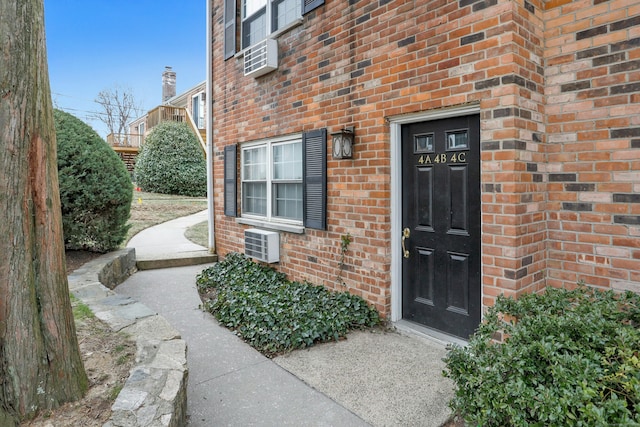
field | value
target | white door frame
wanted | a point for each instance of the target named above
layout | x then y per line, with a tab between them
395	124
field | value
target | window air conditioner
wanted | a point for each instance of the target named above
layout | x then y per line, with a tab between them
261	58
262	245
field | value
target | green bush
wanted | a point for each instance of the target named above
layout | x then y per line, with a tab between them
95	187
570	358
274	314
171	161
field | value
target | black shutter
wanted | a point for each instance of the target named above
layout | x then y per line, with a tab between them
230	179
309	5
230	12
314	163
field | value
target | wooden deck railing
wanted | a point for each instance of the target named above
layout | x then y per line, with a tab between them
195	129
165	113
125	140
162	113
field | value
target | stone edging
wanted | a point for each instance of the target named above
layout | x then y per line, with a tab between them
155	394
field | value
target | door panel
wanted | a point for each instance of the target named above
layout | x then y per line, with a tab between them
458	290
458	178
426	263
424	175
441	209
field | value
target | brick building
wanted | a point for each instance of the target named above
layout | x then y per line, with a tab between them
496	146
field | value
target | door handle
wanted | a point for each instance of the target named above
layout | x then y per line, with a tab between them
405	235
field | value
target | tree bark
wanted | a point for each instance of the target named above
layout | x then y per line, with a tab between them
40	364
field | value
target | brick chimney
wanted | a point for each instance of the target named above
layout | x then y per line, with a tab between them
168	84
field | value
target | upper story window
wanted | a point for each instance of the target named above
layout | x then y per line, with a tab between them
259	19
263	17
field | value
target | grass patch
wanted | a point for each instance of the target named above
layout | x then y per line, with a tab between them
199	234
115	391
123	354
275	315
80	310
122	359
149	209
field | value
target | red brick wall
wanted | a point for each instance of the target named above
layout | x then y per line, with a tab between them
513	200
593	107
361	62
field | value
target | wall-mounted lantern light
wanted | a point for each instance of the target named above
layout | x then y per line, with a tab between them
343	143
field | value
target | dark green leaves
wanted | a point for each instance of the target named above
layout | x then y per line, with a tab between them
569	358
95	187
171	161
274	314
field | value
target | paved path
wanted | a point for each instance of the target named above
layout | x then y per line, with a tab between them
229	382
386	378
167	239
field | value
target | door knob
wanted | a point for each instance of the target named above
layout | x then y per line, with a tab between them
405	235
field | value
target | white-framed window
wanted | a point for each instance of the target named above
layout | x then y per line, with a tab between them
197	110
263	17
284	182
140	138
272	180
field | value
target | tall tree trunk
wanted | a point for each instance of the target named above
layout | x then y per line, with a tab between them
40	364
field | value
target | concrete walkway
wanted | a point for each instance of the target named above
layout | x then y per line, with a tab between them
165	246
167	239
372	378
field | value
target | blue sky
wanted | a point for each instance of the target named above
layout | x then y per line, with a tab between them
100	44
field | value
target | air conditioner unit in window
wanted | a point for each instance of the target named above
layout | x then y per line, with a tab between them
261	58
262	245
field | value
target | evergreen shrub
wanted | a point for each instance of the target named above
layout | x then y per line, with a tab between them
95	187
569	358
171	161
274	314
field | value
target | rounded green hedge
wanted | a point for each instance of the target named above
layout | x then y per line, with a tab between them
171	161
570	358
95	187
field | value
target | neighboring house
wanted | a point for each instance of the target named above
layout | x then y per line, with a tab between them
189	107
497	147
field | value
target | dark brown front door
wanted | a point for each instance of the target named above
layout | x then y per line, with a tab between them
441	224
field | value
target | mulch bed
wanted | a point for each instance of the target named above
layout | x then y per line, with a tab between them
75	259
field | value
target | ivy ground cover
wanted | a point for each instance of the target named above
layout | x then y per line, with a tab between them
274	314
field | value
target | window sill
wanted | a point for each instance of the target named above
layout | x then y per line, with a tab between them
296	229
273	35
